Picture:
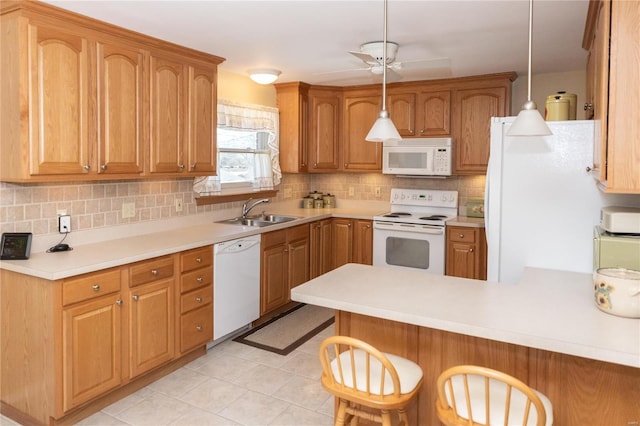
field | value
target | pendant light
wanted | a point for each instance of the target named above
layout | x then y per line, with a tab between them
383	129
529	122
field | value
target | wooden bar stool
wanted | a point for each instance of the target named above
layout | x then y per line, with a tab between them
360	375
470	395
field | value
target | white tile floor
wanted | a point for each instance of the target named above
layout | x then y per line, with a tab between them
233	384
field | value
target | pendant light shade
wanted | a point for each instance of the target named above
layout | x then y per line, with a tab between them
529	122
383	129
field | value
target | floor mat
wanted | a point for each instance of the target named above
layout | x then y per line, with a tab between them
289	330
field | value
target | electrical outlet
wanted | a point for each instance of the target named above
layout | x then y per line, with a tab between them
288	193
178	204
377	192
128	210
352	191
64	224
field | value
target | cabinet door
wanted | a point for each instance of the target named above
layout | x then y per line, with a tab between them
434	113
120	109
325	132
299	255
342	234
363	242
274	289
402	110
359	115
59	102
202	120
473	111
293	104
461	260
321	247
91	350
167	104
151	326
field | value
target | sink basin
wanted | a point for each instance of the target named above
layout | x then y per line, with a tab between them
258	221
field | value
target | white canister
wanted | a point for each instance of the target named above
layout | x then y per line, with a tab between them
617	291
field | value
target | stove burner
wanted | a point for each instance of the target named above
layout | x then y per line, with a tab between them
434	217
397	214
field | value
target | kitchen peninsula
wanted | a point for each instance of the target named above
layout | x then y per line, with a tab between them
544	330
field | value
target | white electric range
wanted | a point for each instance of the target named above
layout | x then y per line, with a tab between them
412	233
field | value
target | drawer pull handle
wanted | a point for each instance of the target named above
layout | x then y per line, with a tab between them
199	327
86	167
199	259
135	297
96	287
119	302
461	235
103	167
200	279
199	299
154	272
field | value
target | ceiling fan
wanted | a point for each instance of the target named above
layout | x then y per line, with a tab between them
371	53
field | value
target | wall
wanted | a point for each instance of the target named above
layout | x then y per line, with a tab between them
33	207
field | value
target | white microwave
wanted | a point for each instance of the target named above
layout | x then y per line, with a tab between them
417	157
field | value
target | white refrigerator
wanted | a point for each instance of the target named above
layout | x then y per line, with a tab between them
541	203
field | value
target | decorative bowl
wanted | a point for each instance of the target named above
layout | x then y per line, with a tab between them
617	291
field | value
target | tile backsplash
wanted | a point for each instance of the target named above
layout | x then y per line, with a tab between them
34	207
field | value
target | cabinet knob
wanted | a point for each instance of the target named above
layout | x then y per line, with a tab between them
103	167
470	250
96	287
588	106
349	225
198	259
368	226
286	249
135	297
591	169
199	327
200	279
119	302
87	167
410	131
193	166
181	166
154	272
461	235
346	165
423	130
199	299
315	164
302	164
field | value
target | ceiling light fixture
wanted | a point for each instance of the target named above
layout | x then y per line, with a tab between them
264	75
529	122
383	129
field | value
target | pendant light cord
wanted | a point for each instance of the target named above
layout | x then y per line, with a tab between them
530	34
384	61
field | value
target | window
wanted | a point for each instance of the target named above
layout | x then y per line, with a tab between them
247	143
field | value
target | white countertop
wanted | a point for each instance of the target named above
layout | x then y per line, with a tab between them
116	248
549	310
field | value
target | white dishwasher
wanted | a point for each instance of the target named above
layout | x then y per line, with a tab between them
236	284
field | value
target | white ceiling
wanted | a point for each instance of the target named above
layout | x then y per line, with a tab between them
306	38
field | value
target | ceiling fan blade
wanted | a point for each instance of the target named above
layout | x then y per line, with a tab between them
349	70
424	63
393	76
364	57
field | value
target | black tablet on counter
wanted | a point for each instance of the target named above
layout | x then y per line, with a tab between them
15	245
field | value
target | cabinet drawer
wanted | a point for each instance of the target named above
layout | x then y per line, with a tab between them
195	279
196	298
273	238
196	328
468	235
196	258
90	286
299	232
151	270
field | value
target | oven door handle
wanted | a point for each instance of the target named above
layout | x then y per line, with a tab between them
407	227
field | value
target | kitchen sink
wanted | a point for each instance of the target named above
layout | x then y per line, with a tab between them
258	221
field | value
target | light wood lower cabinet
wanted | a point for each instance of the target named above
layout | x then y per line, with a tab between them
466	252
284	265
321	247
68	343
352	241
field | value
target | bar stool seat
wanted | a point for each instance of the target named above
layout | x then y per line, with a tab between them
360	375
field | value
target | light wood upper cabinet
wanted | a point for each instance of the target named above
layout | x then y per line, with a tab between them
293	105
85	100
120	109
611	37
58	102
473	109
203	112
360	112
324	140
421	113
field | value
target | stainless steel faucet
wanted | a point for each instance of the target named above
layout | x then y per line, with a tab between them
246	207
